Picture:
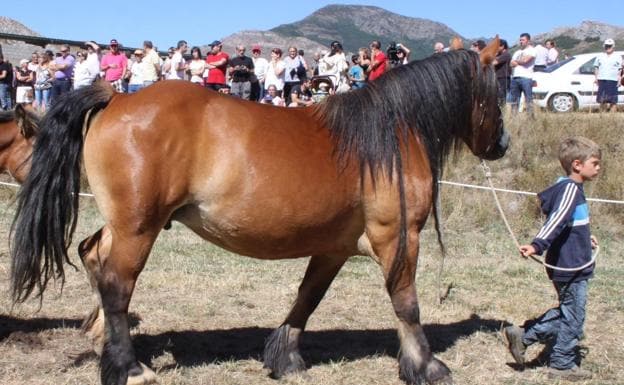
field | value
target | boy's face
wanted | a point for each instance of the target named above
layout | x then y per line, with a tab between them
588	169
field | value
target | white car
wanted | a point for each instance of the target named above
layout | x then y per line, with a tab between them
569	85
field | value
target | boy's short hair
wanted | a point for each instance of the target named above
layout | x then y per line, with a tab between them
577	148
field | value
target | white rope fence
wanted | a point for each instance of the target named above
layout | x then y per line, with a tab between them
444	182
18	186
521	192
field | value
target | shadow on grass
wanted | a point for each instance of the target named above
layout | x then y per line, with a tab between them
191	348
12	326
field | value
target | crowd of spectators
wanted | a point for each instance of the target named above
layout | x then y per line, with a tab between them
288	79
285	80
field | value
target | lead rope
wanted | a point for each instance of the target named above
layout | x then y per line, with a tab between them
488	177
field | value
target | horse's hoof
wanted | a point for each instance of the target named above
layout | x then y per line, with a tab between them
437	373
148	377
281	353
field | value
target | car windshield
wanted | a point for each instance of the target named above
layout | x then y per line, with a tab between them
558	65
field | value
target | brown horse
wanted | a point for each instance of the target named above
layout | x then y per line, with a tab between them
17	133
352	176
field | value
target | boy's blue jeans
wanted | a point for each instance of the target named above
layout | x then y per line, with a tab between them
564	324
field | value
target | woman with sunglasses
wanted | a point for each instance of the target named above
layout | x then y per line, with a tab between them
83	75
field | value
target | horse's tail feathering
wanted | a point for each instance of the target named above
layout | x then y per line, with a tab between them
47	204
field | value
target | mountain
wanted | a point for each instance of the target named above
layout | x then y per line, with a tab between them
15	27
588	37
354	26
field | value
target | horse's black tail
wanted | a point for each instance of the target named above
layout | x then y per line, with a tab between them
47	205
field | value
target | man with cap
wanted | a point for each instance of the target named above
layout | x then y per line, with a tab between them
608	71
216	62
261	65
115	65
64	68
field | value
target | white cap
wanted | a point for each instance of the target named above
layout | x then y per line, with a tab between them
609	42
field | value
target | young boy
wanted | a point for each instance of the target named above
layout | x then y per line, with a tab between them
356	73
567	237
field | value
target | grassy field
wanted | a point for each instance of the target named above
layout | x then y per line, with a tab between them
201	314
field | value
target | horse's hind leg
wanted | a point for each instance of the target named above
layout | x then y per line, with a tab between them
281	352
115	279
417	364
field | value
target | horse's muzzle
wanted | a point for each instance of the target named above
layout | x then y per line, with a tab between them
500	148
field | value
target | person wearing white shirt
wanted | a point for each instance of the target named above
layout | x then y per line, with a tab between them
522	63
261	65
553	54
178	64
608	71
137	71
86	69
541	58
334	64
275	72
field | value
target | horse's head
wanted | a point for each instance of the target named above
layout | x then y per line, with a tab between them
18	130
488	138
27	121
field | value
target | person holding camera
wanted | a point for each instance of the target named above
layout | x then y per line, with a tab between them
378	64
296	69
241	69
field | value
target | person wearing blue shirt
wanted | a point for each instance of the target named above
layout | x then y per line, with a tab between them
566	236
357	78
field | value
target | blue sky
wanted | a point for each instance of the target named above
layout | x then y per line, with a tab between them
200	22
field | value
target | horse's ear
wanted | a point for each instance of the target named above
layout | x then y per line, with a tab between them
26	126
488	54
456	43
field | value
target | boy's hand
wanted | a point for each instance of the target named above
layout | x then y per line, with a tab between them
594	242
527	250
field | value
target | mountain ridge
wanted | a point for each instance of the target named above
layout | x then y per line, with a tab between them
356	26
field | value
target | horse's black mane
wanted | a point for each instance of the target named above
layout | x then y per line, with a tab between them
431	99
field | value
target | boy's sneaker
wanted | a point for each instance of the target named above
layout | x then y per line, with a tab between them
517	348
573	374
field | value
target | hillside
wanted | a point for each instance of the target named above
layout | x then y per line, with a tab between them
588	37
355	26
15	27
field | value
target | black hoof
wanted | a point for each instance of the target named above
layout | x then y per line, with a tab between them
282	356
116	366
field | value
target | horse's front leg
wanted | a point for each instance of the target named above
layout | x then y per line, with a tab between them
417	365
281	352
93	252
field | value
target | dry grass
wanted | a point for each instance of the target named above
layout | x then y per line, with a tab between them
204	313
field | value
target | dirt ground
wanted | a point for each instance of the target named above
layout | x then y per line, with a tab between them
201	315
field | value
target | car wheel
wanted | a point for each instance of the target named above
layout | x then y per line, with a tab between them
563	103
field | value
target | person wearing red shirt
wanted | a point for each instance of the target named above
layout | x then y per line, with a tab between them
378	65
216	62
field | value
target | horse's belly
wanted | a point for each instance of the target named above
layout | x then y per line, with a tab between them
275	235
